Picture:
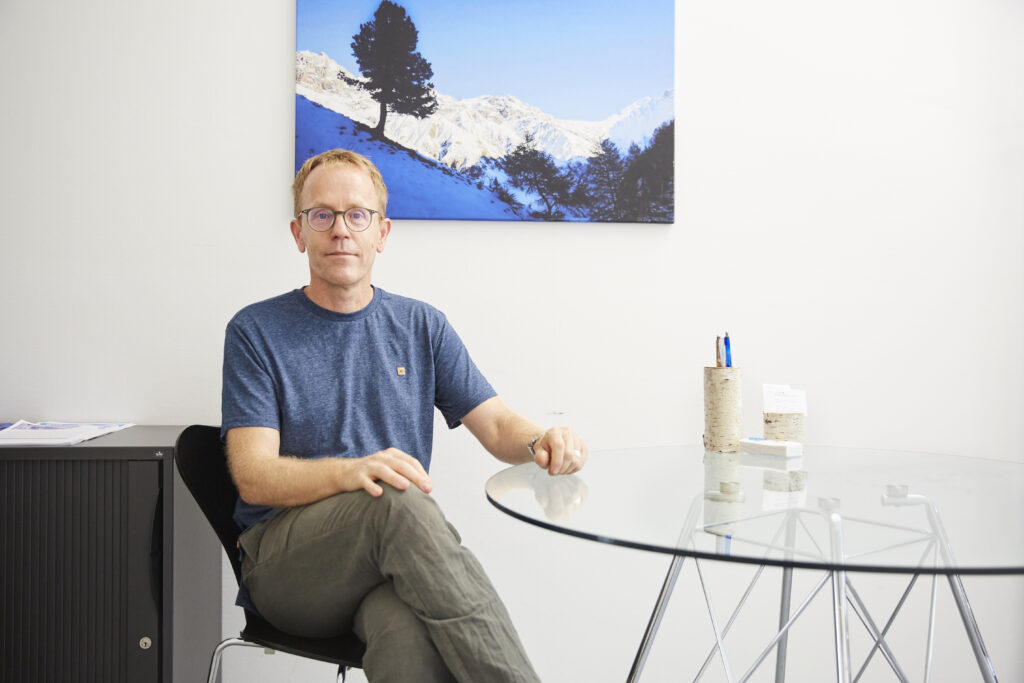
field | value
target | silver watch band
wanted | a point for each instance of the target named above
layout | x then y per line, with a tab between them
531	442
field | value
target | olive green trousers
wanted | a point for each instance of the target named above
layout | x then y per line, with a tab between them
392	570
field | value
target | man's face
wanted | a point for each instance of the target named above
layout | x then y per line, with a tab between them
340	259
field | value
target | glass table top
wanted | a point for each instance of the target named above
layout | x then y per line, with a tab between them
858	509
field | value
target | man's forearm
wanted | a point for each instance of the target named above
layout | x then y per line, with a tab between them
264	477
516	432
501	431
506	434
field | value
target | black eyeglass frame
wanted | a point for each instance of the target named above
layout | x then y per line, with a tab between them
344	215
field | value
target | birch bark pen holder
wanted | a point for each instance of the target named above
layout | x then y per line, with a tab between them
723	409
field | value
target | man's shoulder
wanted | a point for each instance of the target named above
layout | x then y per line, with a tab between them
271	308
403	315
404	304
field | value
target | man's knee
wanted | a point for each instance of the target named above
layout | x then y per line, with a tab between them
359	507
410	501
412	496
413	507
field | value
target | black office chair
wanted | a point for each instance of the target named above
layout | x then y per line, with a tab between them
203	466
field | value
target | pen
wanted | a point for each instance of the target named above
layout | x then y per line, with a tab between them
728	352
719	352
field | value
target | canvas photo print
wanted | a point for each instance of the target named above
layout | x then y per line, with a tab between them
521	111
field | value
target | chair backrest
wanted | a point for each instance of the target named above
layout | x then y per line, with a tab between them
203	465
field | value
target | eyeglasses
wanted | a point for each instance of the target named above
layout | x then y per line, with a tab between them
357	218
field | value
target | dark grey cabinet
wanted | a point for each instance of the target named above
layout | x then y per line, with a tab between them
108	569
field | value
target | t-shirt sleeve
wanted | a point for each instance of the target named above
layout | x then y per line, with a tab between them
248	396
459	386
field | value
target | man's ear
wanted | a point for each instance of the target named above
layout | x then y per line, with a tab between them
385	230
296	229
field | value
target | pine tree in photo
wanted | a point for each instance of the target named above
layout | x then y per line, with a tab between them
503	194
603	180
648	187
397	76
536	173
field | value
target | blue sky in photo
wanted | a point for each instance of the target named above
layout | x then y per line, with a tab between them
574	59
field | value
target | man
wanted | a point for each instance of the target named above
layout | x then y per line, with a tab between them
328	402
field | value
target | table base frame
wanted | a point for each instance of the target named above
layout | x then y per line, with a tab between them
843	595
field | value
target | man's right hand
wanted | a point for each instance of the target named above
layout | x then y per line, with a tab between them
390	466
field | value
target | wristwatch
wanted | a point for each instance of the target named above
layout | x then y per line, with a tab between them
531	442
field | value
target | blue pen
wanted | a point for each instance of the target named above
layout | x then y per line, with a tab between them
728	352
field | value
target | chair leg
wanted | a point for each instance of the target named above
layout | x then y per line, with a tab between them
218	652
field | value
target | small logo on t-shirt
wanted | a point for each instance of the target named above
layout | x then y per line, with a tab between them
401	371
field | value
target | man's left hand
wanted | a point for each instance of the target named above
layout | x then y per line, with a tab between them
560	451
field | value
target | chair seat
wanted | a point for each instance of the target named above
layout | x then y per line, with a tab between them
345	650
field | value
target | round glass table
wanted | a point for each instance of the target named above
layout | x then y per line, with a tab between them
841	510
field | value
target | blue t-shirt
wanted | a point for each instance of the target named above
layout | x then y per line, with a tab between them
345	384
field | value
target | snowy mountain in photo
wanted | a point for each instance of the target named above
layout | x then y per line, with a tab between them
461	132
418	187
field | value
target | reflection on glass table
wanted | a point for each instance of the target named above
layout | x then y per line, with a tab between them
839	510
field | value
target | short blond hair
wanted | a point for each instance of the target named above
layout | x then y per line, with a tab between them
339	157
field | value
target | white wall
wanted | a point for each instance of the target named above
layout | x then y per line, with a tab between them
850	183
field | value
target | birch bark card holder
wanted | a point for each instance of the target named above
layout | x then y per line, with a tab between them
785	412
